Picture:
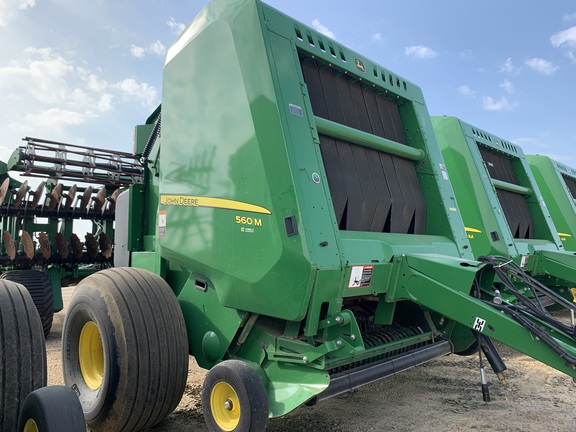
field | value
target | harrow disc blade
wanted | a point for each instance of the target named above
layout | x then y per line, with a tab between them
77	247
99	200
20	195
105	245
69	197
4	189
37	195
55	197
27	245
9	245
45	245
61	246
113	198
85	199
91	246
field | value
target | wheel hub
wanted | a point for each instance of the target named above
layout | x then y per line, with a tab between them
225	406
30	426
91	355
228	405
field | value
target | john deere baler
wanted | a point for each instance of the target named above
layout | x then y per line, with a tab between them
557	183
296	203
502	206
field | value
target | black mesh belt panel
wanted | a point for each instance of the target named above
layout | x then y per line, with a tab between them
371	190
513	204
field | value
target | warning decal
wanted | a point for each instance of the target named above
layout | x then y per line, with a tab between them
162	223
361	276
444	172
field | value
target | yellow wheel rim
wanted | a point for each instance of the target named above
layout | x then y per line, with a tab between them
30	426
91	354
225	406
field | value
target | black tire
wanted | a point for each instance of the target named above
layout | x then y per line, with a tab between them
52	409
234	398
22	351
125	349
40	288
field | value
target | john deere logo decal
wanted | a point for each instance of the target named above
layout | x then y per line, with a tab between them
360	65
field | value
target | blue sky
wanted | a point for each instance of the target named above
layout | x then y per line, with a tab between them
87	71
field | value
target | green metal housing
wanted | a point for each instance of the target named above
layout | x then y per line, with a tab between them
557	183
298	204
502	205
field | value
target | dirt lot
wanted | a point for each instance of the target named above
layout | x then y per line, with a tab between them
441	396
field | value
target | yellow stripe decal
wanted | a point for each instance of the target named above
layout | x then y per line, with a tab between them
196	201
564	235
473	230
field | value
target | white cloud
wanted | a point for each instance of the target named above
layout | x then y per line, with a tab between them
323	29
175	27
489	104
143	92
569	17
54	118
43	77
508	86
156	48
378	38
95	83
9	8
137	51
540	65
105	102
420	52
566	39
508	66
464	90
466	54
48	92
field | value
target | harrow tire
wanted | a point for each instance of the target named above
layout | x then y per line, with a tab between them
52	409
22	352
40	288
237	384
125	349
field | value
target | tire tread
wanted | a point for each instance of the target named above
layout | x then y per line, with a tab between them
155	347
40	289
22	351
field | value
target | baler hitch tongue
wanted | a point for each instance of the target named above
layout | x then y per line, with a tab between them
530	310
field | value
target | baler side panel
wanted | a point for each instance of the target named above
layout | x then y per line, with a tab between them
223	153
488	234
556	182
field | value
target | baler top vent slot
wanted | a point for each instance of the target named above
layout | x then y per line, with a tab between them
571	184
513	204
497	142
371	190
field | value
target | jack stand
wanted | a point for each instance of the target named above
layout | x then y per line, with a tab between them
483	377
